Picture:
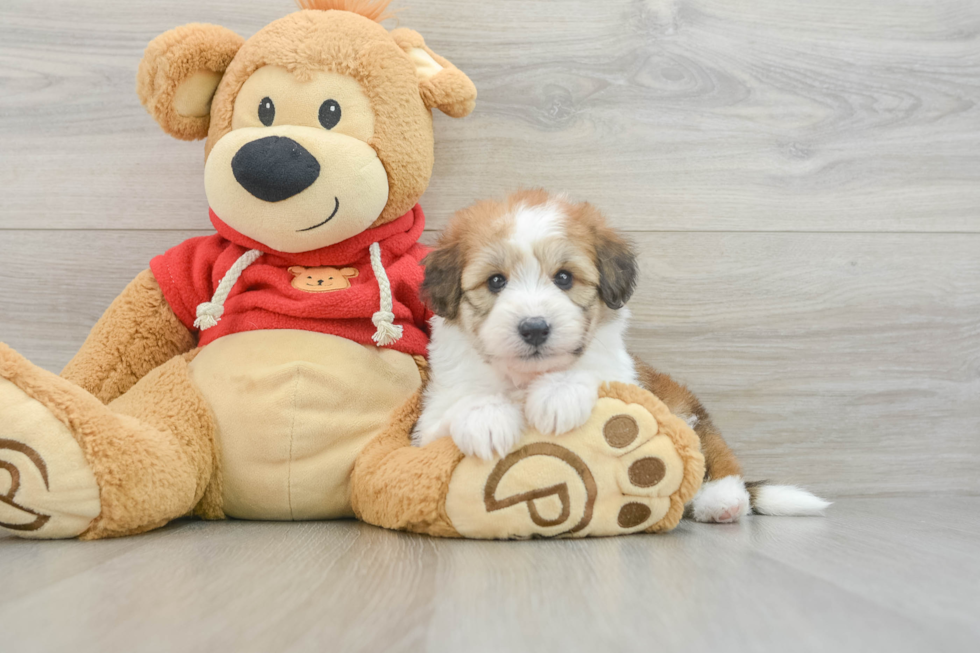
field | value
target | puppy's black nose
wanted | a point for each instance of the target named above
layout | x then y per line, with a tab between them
534	330
274	168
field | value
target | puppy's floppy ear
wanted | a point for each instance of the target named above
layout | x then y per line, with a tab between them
617	267
350	273
442	288
179	74
442	85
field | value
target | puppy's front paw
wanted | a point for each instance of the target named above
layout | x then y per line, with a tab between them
486	426
560	402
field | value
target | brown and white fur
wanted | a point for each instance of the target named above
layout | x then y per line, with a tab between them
529	296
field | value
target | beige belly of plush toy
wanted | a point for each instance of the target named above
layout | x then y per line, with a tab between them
293	410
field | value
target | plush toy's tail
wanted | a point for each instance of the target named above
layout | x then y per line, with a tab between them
783	500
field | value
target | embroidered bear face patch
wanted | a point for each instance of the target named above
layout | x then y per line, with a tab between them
321	279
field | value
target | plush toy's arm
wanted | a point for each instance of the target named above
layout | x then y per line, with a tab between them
137	333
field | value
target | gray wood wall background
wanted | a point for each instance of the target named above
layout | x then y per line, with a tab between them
802	178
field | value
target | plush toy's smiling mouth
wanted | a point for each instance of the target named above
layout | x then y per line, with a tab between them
336	207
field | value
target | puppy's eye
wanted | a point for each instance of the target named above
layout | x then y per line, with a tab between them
267	111
564	279
329	114
496	283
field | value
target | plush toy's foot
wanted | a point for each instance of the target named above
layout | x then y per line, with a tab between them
631	467
48	490
73	466
619	473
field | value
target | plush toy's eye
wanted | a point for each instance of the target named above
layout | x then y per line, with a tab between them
329	114
564	279
496	283
267	111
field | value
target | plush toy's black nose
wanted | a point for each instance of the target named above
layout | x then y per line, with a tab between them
274	168
534	330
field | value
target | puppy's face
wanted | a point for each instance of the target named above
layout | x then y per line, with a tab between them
530	279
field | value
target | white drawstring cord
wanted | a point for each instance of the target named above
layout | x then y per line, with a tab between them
208	313
388	332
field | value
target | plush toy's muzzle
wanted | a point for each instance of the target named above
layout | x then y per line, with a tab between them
295	188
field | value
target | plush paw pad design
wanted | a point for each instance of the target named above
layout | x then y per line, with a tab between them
22	518
624	471
46	487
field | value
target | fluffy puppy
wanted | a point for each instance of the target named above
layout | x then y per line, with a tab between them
529	296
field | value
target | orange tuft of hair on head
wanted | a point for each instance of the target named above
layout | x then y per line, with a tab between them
373	9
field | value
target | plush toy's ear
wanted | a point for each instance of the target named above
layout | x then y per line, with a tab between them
350	273
179	73
296	270
442	85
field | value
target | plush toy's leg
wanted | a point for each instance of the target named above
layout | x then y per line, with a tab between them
80	468
630	468
399	486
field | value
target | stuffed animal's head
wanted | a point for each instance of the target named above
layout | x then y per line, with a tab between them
318	127
321	279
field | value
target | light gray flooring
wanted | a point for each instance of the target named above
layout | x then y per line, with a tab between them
878	574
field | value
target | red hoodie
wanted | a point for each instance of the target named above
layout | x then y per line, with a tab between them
268	294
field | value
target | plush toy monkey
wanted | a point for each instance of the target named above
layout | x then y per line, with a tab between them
244	373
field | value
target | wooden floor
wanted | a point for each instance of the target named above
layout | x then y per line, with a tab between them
895	575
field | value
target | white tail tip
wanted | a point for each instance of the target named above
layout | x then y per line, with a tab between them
787	500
